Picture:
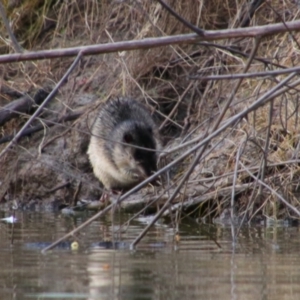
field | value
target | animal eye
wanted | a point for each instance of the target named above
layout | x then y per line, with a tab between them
127	138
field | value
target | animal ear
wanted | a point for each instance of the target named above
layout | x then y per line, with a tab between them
128	138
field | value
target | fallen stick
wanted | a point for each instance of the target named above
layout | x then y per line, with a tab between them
50	123
25	104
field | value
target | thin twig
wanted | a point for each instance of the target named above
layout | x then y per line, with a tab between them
235	175
175	107
58	187
282	20
272	190
247	16
247	75
41	107
228	49
14	41
264	162
196	29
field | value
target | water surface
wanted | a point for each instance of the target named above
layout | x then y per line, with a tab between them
261	264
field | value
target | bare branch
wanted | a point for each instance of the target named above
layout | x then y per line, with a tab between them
247	75
148	43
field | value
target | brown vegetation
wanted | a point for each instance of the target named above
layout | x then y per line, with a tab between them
246	159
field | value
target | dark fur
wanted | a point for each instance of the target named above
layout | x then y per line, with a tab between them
128	121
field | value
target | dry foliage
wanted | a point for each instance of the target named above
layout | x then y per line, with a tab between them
263	145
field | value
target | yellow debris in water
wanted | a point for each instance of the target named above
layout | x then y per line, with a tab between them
74	245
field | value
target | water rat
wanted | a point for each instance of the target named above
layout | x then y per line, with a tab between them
120	125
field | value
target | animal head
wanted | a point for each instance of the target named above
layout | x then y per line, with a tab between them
137	164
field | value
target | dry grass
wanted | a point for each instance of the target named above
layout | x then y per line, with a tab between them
266	142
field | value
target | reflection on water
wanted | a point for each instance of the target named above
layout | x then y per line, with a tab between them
262	264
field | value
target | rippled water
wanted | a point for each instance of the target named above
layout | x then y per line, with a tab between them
262	264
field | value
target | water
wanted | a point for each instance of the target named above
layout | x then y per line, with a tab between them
262	264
